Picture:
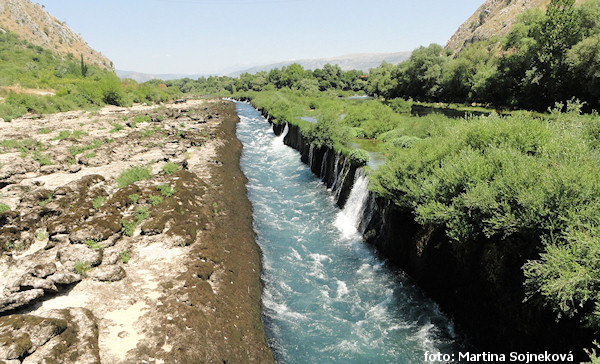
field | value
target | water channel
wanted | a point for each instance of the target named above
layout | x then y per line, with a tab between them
327	296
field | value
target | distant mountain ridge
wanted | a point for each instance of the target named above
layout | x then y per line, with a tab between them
144	77
362	62
33	23
492	18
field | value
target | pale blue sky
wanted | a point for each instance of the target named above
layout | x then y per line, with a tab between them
212	36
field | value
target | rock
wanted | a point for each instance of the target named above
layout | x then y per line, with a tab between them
21	335
59	238
74	168
63	191
44	270
107	273
98	229
77	344
28	282
83	160
64	278
49	169
19	299
71	254
58	227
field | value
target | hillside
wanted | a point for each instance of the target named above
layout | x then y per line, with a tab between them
492	18
31	22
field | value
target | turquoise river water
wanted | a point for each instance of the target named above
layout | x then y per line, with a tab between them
327	297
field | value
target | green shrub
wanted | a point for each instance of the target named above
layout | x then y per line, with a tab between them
42	158
166	190
533	181
134	197
132	175
128	227
359	157
155	200
140	119
142	214
82	267
116	127
94	244
78	149
4	208
170	168
98	202
125	256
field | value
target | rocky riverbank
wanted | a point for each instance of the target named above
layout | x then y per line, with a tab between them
126	236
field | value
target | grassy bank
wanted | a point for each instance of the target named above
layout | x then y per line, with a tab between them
36	80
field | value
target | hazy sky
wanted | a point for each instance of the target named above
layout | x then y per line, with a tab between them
212	36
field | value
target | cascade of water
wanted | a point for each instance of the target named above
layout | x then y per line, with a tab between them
348	220
323	165
335	171
278	141
310	155
286	130
340	181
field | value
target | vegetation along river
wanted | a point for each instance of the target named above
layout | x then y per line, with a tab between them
327	296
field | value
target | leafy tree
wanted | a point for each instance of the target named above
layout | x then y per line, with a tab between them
420	77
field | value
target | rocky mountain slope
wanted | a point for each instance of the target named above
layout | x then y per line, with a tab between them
492	18
31	22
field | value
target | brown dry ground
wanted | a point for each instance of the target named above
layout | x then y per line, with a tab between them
191	290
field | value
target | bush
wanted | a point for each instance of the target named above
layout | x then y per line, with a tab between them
155	200
533	181
170	168
4	208
132	175
359	157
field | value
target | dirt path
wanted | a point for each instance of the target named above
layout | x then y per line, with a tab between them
161	270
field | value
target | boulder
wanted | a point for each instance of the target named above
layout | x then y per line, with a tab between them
64	278
107	273
78	343
21	335
18	299
97	229
44	270
71	254
28	282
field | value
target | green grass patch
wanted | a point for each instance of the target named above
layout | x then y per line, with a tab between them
125	256
78	149
98	202
4	208
116	127
94	244
170	168
134	197
166	190
82	267
155	200
42	159
133	175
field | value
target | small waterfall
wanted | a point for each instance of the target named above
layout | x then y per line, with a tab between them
279	139
310	155
348	220
323	165
335	171
337	189
286	130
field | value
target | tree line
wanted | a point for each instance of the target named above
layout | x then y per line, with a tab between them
547	58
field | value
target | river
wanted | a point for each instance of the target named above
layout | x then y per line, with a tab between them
327	296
